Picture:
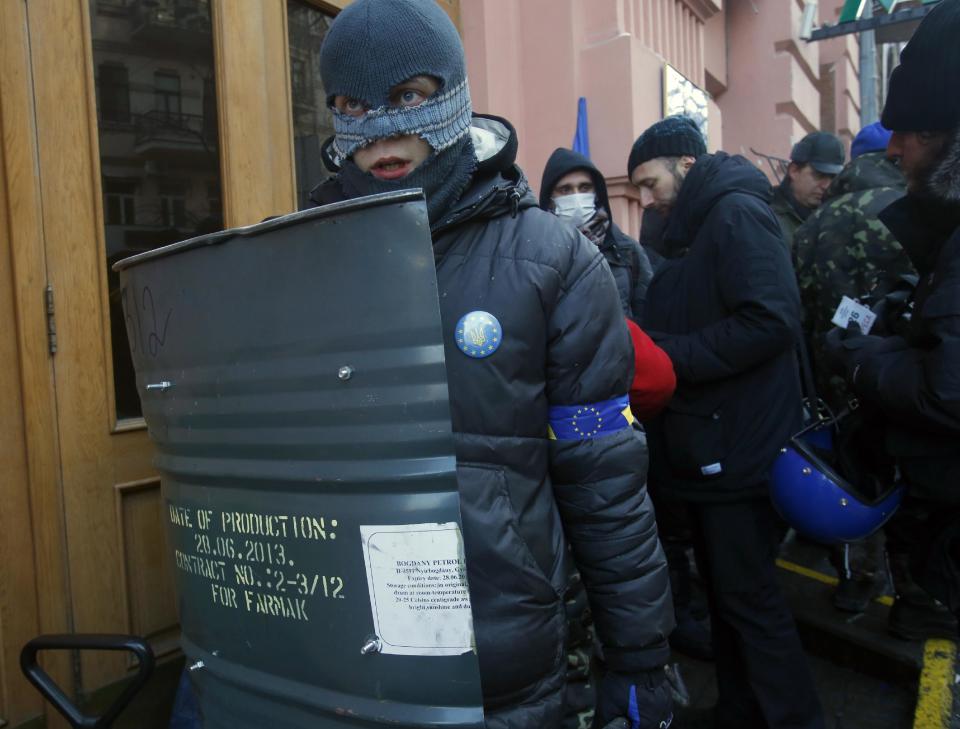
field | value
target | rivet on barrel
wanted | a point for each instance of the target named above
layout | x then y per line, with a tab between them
345	373
372	645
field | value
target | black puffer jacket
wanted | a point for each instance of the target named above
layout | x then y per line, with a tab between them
727	312
916	381
628	261
522	495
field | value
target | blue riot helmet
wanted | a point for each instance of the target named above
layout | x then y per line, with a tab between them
822	495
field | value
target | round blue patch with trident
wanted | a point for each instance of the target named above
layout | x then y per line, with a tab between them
479	334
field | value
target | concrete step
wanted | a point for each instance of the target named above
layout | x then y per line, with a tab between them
857	640
862	642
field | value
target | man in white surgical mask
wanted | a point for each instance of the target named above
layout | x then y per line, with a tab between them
574	198
574	190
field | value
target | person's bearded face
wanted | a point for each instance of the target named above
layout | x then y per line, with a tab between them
917	153
658	180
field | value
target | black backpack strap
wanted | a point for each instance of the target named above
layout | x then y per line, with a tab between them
806	374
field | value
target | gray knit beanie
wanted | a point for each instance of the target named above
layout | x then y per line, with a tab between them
675	136
372	46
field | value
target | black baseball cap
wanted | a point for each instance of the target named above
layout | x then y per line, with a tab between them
822	151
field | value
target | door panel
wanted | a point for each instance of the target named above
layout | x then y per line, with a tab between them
147	573
135	185
254	97
33	585
81	532
18	596
66	135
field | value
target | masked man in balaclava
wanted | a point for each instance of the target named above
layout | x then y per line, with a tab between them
546	451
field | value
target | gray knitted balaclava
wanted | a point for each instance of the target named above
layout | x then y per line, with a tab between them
372	46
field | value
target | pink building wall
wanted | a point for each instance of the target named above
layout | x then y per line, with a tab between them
530	61
772	98
781	87
840	78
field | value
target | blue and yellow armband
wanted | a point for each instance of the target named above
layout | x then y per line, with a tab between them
592	420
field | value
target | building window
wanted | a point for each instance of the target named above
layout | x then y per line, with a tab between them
173	204
214	204
119	202
114	88
209	123
300	81
312	121
166	85
112	7
160	168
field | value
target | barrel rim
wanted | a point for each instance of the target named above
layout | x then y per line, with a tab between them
322	211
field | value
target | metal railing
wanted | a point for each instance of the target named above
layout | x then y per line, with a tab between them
172	14
160	124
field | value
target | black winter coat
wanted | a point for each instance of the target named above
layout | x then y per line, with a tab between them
523	496
916	381
727	311
627	260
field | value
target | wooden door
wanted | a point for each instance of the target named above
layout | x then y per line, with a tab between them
33	579
81	531
93	539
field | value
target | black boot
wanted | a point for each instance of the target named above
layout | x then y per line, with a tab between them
921	619
915	615
854	592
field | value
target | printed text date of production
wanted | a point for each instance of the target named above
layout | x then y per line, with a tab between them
248	550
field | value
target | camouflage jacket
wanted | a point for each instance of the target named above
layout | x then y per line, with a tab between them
844	250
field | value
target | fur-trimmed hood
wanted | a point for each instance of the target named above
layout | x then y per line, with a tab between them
945	180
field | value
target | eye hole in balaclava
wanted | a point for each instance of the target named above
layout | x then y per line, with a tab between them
437	120
374	45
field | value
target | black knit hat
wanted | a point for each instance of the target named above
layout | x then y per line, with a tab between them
924	93
675	136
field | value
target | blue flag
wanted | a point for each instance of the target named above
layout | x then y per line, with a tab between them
581	140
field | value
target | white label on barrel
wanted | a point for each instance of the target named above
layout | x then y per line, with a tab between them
419	599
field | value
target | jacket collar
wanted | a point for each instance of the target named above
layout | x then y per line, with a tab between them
498	185
712	177
921	225
785	200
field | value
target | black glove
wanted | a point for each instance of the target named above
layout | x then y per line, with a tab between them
842	349
644	699
893	309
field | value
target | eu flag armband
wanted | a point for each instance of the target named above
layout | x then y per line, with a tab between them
592	420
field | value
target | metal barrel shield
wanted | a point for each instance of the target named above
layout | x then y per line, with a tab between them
292	378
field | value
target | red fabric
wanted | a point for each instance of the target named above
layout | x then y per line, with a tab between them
653	378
